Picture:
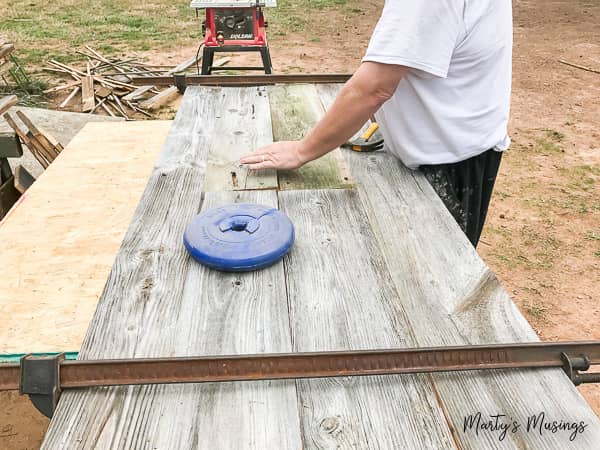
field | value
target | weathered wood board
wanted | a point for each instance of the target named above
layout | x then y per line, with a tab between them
295	109
212	313
453	299
87	94
352	308
241	124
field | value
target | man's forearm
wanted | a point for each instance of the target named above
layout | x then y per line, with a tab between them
370	87
358	100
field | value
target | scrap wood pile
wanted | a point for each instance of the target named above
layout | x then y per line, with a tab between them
42	144
105	84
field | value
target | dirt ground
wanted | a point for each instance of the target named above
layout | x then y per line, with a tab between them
542	237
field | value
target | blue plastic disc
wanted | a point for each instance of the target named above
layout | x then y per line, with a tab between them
239	237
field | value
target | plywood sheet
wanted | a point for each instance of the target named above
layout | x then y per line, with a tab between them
59	243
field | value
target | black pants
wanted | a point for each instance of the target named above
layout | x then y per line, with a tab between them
466	189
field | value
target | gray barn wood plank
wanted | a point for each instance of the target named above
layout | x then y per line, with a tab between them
341	297
295	109
241	314
158	302
452	298
145	279
242	124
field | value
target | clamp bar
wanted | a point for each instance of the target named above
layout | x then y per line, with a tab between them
61	374
238	80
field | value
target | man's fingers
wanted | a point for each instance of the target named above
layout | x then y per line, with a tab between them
252	159
256	158
257	161
261	165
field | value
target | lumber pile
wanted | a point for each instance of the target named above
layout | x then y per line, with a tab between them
105	84
42	145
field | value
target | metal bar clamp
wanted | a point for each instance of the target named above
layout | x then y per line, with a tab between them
180	82
40	380
573	366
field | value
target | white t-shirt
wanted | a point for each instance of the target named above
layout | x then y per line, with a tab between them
455	102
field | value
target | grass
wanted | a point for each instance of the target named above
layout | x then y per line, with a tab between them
536	310
29	93
581	178
43	30
527	248
592	236
550	142
294	16
571	189
28	89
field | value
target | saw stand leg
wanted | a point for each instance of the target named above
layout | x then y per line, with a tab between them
208	55
266	59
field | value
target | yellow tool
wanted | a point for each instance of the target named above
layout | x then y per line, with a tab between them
370	141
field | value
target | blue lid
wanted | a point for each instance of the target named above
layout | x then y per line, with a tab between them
239	237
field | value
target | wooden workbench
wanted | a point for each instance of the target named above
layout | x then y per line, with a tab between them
378	262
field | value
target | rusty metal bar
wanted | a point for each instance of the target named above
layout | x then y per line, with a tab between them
77	374
9	377
240	80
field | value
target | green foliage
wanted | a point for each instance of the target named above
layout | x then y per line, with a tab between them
592	236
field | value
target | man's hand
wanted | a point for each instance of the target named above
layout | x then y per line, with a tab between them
280	155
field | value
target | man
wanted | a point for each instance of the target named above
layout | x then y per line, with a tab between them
437	76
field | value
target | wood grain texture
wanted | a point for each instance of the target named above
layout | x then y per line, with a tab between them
452	298
87	94
159	302
242	125
162	98
341	297
7	102
147	274
380	267
295	109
